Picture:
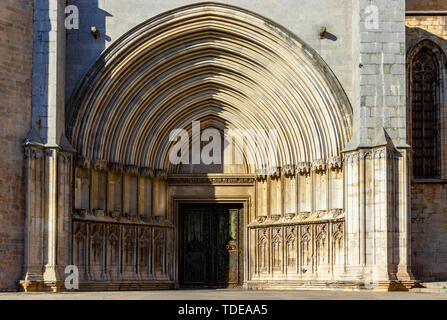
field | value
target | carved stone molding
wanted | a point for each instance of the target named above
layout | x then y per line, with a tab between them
33	152
319	165
261	174
147	172
373	153
335	163
115	167
64	157
99	213
115	217
79	213
303	167
131	170
275	172
160	174
99	165
211	180
82	162
296	219
289	170
336	213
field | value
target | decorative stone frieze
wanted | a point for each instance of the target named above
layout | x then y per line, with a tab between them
211	180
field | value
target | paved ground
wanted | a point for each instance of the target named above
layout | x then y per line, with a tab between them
225	294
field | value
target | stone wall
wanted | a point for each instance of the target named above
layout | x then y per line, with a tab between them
414	5
16	45
429	231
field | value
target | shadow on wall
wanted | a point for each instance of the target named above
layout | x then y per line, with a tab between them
428	208
83	49
42	28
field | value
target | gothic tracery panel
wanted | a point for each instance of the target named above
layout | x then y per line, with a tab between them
425	87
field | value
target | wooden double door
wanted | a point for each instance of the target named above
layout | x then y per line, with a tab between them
210	243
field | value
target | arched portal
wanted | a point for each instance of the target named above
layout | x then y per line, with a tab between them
229	69
200	62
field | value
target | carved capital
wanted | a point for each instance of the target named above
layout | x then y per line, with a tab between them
261	174
335	163
115	167
99	165
289	170
64	157
160	174
275	172
79	213
82	162
32	152
132	170
146	172
319	165
303	167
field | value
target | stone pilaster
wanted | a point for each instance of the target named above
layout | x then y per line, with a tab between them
377	221
34	222
48	221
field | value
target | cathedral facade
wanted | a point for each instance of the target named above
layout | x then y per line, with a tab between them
113	165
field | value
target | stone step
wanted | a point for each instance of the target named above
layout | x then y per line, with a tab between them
434	285
428	290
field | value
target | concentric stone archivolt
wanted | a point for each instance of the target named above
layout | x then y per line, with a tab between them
215	64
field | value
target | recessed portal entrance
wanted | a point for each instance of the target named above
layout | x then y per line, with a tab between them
211	241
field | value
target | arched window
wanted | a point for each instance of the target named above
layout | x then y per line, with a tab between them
425	102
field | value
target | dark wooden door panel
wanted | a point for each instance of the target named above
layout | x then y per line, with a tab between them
195	239
210	245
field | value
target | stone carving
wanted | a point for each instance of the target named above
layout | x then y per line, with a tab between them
289	170
303	167
146	172
319	165
336	213
115	167
99	165
335	163
82	162
104	251
275	172
132	170
261	174
210	180
79	213
160	174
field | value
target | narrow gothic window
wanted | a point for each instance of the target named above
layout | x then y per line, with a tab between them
424	114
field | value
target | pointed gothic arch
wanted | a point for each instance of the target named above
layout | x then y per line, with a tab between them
426	63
